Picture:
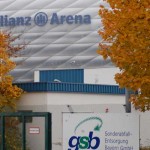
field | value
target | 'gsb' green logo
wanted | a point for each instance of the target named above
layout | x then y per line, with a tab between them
84	142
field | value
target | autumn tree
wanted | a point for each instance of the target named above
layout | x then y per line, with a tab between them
126	41
9	93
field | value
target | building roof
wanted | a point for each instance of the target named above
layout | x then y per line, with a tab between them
71	88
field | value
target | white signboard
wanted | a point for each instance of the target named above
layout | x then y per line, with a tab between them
34	130
90	131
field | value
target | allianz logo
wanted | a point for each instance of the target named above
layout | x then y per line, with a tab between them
41	19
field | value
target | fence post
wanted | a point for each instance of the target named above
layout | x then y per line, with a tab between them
3	132
23	133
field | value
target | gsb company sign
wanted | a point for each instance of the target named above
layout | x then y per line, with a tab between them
90	141
84	142
41	19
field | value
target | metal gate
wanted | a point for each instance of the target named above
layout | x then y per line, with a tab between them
34	130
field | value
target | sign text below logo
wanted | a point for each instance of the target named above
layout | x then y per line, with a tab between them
41	19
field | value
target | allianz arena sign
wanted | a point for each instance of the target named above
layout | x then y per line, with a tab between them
41	19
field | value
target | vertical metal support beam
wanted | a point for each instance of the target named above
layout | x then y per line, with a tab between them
23	133
48	132
128	104
3	132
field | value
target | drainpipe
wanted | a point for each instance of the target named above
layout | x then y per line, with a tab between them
128	104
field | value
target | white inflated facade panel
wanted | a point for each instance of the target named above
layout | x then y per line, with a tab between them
54	46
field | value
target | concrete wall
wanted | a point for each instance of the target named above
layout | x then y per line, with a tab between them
59	103
144	127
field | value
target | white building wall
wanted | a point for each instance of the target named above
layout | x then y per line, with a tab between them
36	76
144	127
42	98
59	103
83	99
100	76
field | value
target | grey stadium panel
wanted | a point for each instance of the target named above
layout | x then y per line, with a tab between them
54	45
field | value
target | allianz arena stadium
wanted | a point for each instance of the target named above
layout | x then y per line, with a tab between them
57	34
64	76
